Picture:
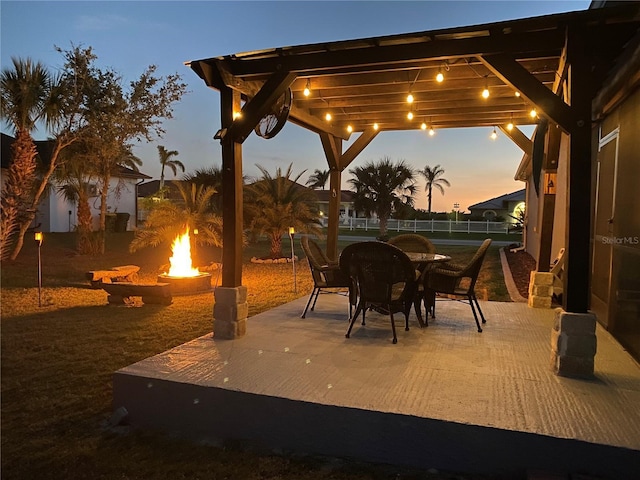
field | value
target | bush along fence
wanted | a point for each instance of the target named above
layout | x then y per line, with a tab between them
450	226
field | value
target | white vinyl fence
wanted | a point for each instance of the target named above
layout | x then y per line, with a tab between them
450	226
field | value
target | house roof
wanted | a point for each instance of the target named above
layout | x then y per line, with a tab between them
45	148
149	188
323	195
501	201
366	81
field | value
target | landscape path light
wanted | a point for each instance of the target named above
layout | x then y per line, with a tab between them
293	260
38	238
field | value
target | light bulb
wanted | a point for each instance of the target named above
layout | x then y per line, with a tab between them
237	115
410	115
327	117
375	126
423	126
517	93
533	113
439	77
432	132
409	98
306	92
509	126
494	134
349	128
485	93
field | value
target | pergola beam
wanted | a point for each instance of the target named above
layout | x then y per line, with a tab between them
549	104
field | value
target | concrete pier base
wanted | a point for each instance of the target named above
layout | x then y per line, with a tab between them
573	344
230	312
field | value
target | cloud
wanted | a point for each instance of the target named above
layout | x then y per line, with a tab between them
100	23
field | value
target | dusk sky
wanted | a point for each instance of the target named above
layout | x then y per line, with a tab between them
128	36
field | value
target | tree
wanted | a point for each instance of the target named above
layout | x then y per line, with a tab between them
167	161
169	219
275	203
25	100
383	188
74	178
209	177
433	177
318	179
118	116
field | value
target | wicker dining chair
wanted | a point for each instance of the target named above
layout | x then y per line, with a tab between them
326	274
412	242
385	279
458	281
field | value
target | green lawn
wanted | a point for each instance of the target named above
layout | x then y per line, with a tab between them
58	361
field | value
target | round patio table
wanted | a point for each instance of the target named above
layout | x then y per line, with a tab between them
424	262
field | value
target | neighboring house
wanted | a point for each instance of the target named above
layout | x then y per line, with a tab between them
55	214
346	204
506	206
615	202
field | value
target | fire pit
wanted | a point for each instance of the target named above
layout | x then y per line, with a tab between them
187	285
183	278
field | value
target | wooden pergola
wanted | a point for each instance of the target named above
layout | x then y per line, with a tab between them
554	64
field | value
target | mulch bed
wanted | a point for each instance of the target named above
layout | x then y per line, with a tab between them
521	265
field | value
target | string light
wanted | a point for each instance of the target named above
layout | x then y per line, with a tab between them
237	115
423	126
410	115
327	117
533	113
440	76
307	89
510	124
494	134
410	98
485	92
375	126
517	93
349	128
432	132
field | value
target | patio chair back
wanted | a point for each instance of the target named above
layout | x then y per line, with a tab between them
326	273
412	242
450	281
385	279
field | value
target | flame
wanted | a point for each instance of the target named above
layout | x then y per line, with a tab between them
181	259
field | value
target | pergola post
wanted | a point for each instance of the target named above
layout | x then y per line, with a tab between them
573	338
231	309
335	179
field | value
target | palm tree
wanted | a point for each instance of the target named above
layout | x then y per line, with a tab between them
383	188
318	179
25	100
167	161
168	220
74	176
433	176
275	203
209	177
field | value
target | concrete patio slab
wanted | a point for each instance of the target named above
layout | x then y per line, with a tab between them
444	397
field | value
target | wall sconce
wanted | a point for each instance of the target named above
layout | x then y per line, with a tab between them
550	183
